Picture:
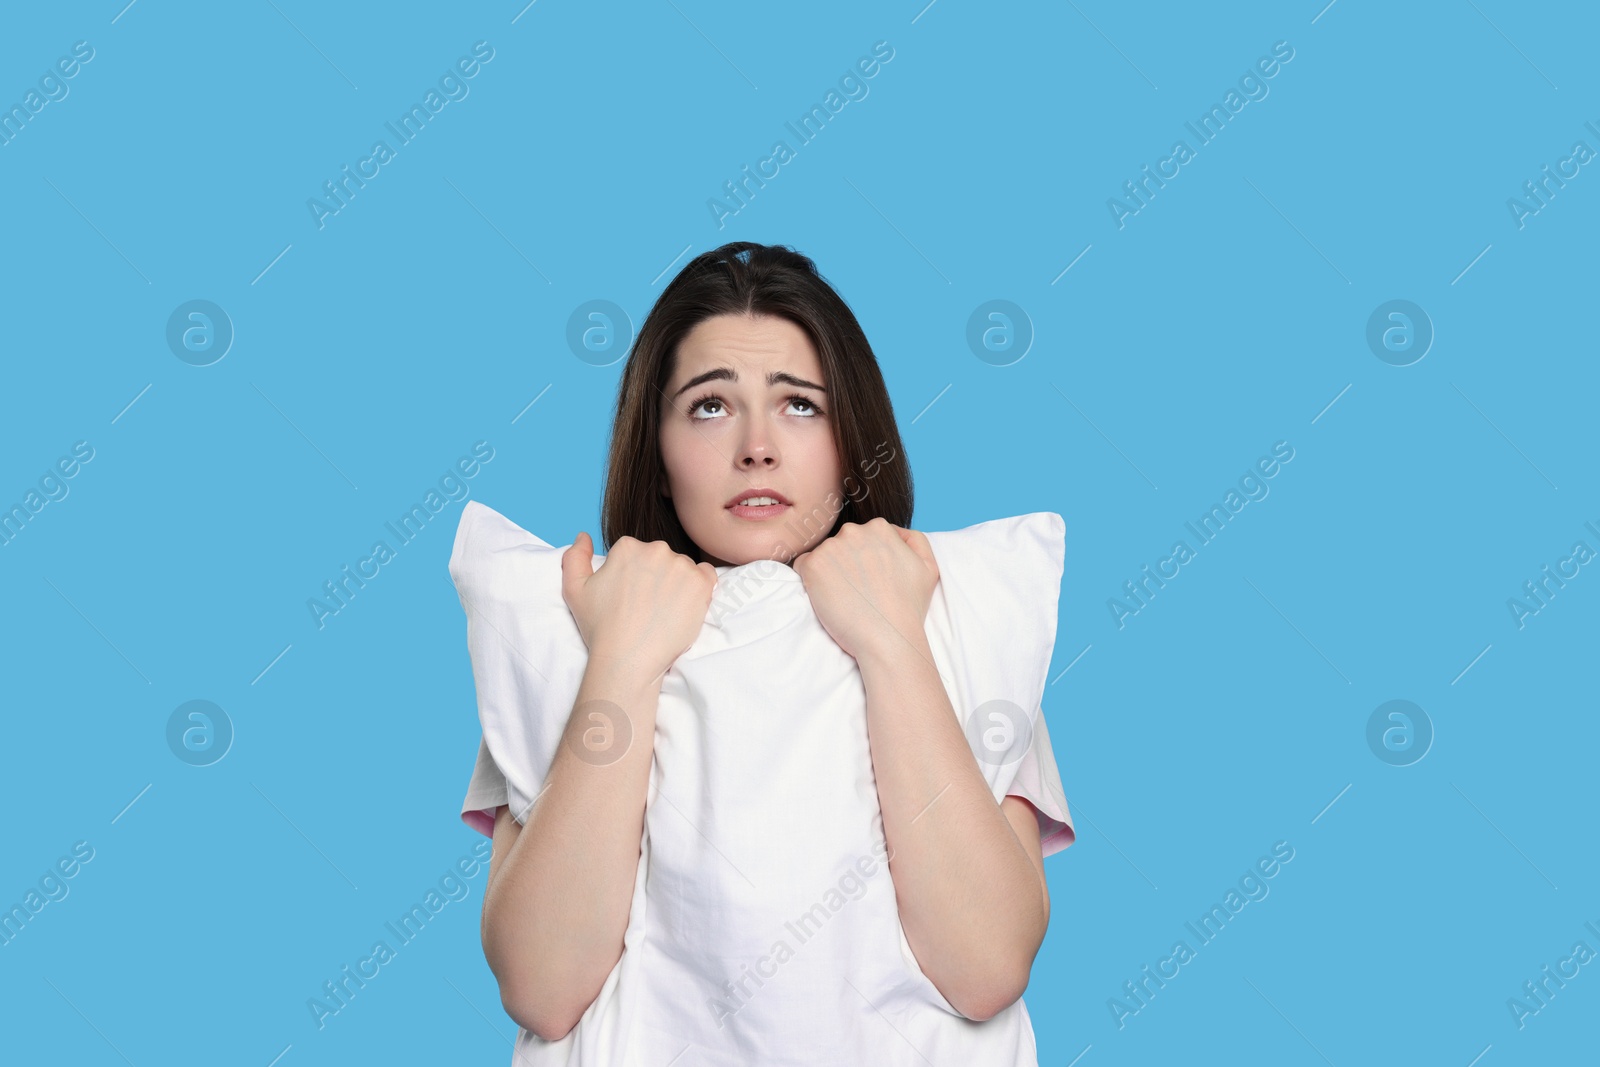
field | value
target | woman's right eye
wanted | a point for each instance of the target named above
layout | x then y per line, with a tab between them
703	402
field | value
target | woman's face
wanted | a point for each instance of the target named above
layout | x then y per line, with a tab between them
746	409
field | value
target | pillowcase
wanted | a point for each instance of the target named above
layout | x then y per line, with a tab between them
762	879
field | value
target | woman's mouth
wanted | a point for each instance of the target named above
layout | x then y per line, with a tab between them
759	507
759	503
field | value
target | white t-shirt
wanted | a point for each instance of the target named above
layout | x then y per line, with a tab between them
764	927
1038	782
1009	1034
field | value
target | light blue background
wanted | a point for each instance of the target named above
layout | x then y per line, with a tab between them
1228	314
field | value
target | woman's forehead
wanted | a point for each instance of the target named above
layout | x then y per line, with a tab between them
764	342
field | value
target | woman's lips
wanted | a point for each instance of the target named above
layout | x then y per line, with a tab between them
763	511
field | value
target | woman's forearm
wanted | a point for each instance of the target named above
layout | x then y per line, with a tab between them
967	891
557	907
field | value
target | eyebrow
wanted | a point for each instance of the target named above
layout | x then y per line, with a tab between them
776	377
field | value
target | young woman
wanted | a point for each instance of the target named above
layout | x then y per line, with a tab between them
753	424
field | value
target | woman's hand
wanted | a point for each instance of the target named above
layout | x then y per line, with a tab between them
561	884
870	585
645	605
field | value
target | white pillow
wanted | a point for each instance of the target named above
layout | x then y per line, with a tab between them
762	852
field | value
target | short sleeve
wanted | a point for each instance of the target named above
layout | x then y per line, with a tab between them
1038	781
486	793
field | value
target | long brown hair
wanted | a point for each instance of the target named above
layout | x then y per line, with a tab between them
745	278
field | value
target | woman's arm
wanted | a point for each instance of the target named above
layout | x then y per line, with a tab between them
968	873
560	885
968	879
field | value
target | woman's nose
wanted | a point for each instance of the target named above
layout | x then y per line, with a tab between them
757	449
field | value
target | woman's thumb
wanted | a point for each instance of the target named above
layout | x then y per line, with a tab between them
578	560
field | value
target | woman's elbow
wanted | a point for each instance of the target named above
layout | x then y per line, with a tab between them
545	1021
542	1004
983	1001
